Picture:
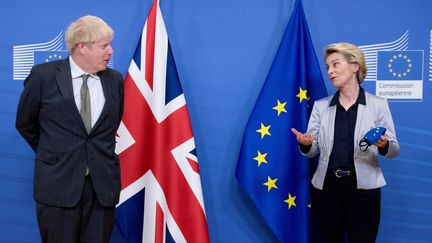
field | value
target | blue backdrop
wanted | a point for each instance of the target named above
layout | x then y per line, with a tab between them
223	50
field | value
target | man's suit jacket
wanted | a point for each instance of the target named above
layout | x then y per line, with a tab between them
375	113
48	119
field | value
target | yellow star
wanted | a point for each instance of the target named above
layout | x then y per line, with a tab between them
280	107
290	201
302	95
271	183
264	130
309	205
261	158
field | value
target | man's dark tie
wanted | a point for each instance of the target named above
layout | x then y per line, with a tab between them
85	111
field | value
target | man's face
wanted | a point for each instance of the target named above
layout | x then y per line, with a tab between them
97	55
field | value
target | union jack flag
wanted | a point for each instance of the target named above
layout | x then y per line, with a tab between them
161	198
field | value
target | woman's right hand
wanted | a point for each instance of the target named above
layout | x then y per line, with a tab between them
303	138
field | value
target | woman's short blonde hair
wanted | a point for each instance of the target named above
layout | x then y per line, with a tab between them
352	54
87	30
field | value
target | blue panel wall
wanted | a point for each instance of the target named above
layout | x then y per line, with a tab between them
223	50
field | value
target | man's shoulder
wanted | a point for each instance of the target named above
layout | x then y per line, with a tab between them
49	67
112	71
109	72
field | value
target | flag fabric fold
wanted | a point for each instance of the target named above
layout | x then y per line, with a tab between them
161	198
270	168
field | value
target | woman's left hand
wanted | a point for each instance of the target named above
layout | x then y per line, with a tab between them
382	142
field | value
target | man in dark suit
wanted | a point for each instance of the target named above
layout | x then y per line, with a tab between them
69	112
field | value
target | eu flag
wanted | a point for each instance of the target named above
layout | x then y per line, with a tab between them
400	65
270	168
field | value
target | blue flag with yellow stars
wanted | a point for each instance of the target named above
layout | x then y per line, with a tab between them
270	168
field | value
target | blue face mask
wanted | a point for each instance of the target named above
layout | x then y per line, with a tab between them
371	137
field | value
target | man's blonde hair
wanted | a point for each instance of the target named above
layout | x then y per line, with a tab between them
87	30
352	54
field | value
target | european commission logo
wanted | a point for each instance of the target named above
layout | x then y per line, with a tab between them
371	53
400	74
397	71
26	56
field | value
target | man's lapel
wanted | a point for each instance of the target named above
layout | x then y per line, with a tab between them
107	87
64	81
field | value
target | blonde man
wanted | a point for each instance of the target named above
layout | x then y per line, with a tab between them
346	194
69	112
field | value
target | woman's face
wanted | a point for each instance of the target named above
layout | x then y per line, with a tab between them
340	71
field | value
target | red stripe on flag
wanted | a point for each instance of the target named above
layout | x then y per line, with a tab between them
150	44
159	227
152	151
194	165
